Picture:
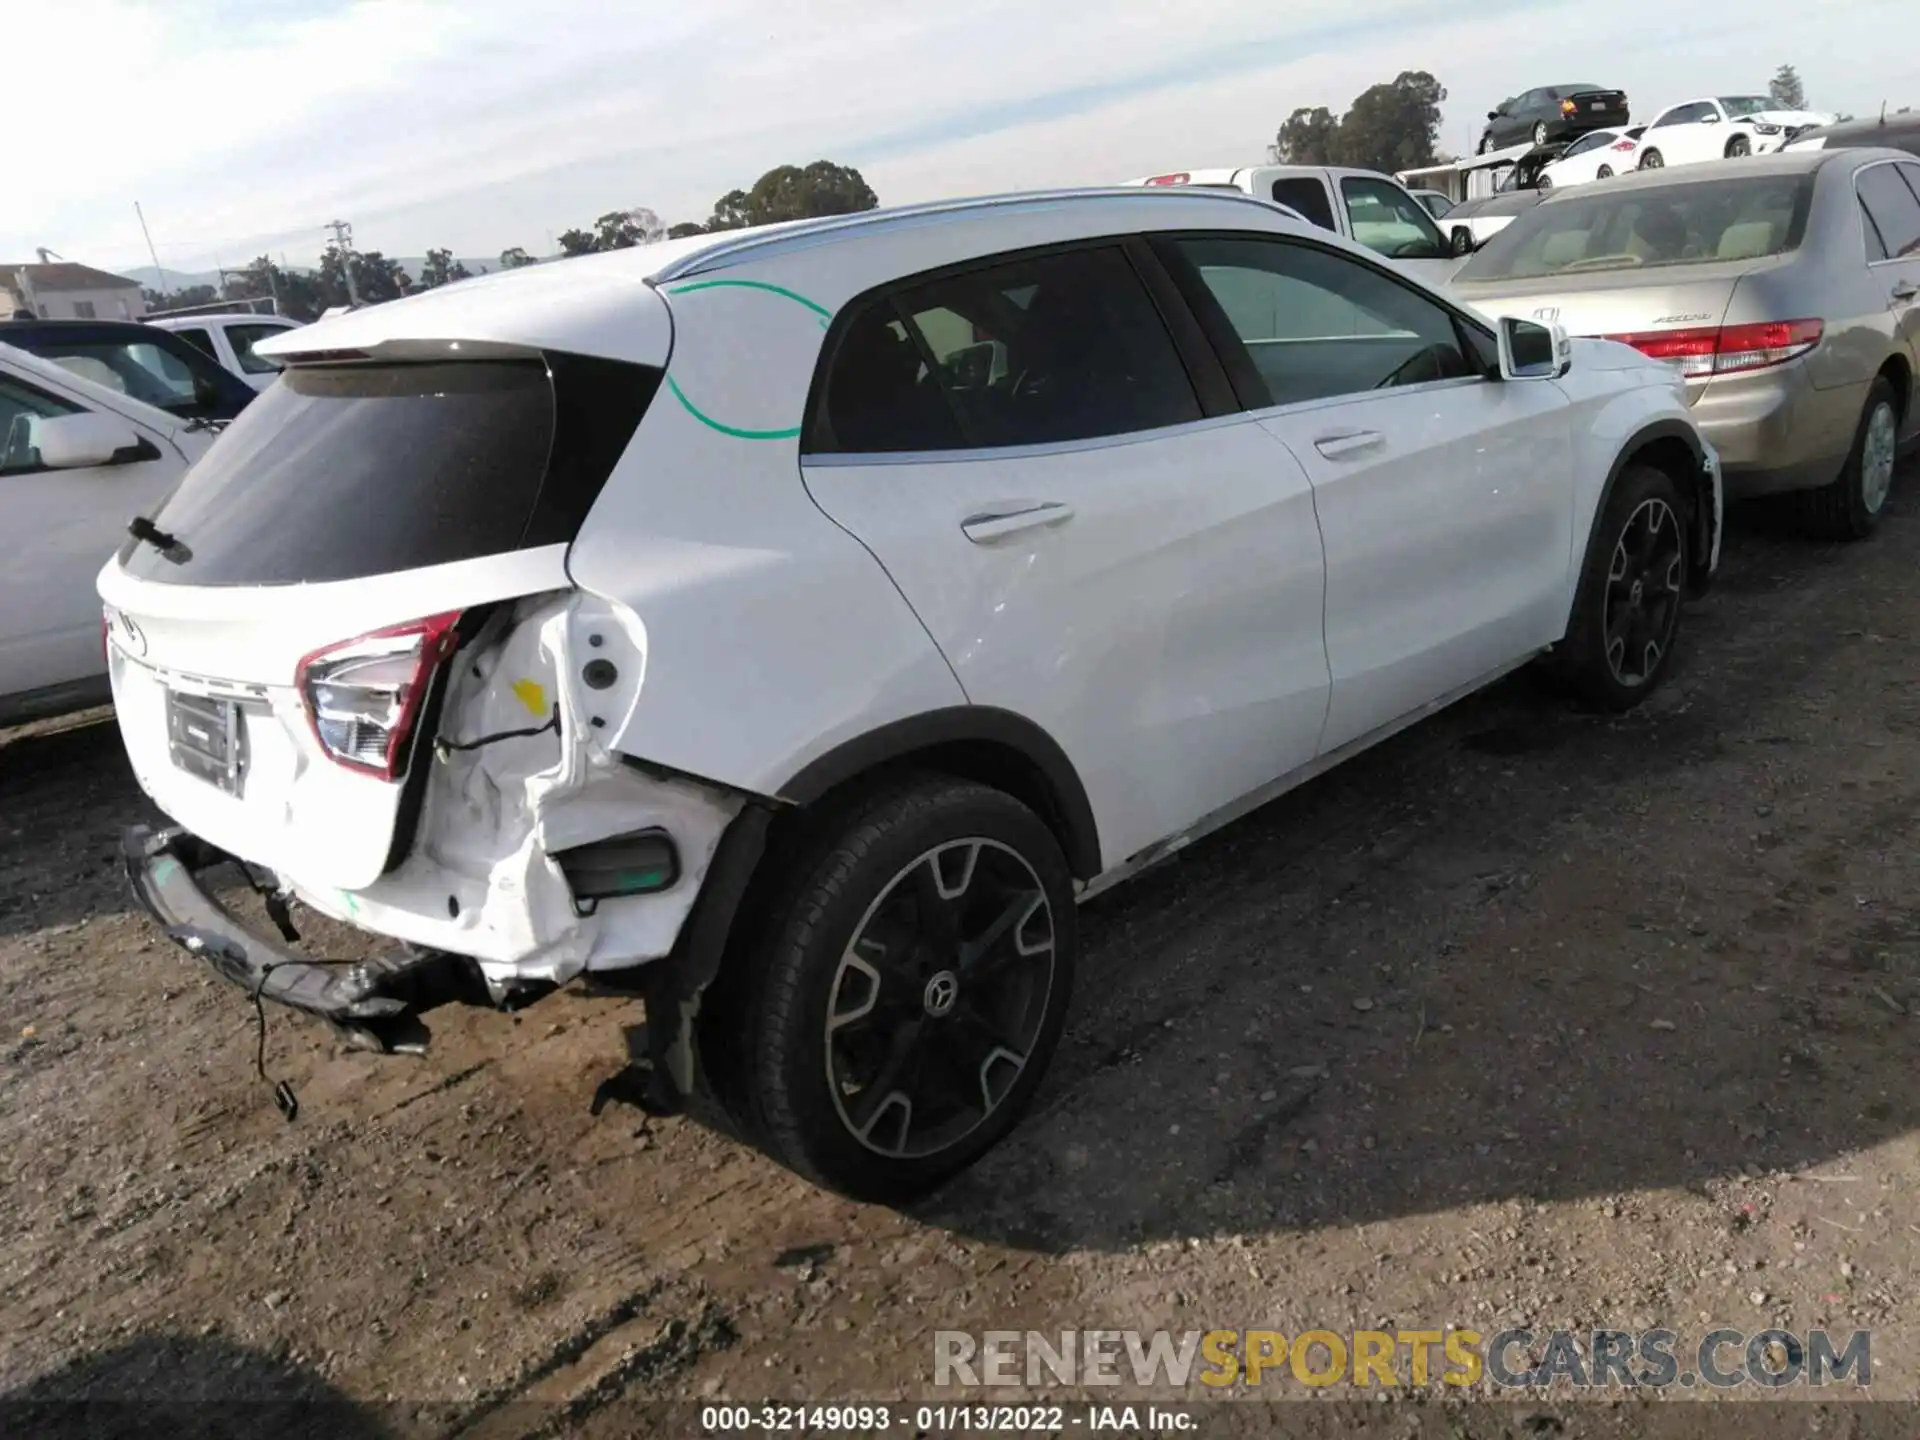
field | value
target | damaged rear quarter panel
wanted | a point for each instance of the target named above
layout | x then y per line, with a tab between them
773	635
478	880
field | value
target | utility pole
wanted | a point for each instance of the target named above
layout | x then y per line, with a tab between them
152	254
343	238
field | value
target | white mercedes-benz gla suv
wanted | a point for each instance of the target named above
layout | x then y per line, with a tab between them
800	622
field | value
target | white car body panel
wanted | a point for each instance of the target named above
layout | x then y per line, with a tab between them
1615	151
1694	142
1220	674
49	613
759	611
1482	473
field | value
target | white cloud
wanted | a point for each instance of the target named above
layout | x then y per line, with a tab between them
243	126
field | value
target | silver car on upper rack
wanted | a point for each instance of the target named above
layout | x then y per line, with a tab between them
1786	288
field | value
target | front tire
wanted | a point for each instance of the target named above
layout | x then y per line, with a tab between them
910	989
1738	146
1626	615
1540	133
1544	183
1653	160
1850	508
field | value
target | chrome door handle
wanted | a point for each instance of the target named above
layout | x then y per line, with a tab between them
991	525
1905	291
1348	442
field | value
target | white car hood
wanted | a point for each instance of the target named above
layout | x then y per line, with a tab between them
1788	118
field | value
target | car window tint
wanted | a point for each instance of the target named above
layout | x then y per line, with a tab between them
1391	222
1895	210
1309	196
1317	324
1680	223
1036	351
21	407
1911	174
143	370
243	338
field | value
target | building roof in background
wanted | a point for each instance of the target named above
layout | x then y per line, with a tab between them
65	275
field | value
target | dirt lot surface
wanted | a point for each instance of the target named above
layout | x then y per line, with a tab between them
1526	1018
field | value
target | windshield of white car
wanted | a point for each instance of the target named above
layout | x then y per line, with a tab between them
1683	223
1738	105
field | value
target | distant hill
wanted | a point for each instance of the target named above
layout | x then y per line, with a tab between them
182	279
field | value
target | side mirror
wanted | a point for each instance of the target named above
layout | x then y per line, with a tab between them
1531	351
75	442
1463	243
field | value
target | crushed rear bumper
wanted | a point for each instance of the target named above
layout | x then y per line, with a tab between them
375	1003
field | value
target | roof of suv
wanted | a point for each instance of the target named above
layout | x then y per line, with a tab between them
605	304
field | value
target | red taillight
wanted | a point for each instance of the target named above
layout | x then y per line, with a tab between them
1623	144
363	696
1181	178
1729	349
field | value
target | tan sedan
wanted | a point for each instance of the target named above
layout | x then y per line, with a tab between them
1786	288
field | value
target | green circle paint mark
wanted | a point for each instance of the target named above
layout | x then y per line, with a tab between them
694	410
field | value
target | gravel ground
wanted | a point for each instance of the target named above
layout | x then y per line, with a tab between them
1527	1017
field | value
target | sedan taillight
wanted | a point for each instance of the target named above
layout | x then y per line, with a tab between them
1727	349
363	696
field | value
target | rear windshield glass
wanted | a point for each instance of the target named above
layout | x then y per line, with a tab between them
339	473
1680	224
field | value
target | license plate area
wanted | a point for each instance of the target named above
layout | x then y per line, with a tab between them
207	739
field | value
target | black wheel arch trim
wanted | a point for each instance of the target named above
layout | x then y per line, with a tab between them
1701	549
960	725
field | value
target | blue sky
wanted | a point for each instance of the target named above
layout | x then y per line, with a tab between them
243	126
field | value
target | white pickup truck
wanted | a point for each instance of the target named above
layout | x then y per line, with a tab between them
1367	207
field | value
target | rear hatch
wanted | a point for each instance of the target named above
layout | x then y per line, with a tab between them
278	634
1653	265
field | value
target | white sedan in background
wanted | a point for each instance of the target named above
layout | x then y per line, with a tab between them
1722	128
1599	155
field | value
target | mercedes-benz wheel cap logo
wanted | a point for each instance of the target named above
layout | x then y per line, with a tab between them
942	990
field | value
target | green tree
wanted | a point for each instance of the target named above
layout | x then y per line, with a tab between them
295	293
1309	137
515	257
577	242
793	192
180	299
375	277
1393	126
685	229
624	229
440	268
1785	89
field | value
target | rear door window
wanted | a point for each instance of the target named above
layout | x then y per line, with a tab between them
1052	348
343	472
1893	207
1308	195
1389	221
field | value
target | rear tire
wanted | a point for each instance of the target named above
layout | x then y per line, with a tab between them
1653	160
1540	133
1626	614
909	990
1605	172
1738	146
1850	508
